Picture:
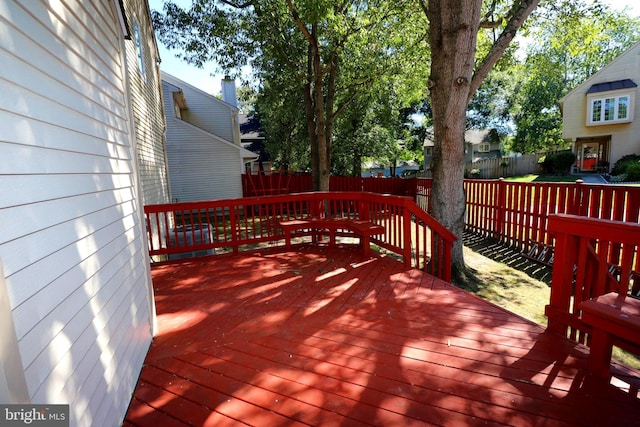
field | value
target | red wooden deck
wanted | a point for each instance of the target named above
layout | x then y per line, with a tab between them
319	336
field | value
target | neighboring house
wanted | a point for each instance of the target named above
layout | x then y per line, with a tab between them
252	138
600	116
76	299
479	144
204	153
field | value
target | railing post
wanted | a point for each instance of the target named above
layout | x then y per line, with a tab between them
565	255
406	237
363	207
234	228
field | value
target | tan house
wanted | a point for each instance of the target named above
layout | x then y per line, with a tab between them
600	117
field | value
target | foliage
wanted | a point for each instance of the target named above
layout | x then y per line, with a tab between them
633	172
574	39
320	56
558	163
622	165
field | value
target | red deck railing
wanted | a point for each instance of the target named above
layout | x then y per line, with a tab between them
238	224
592	257
514	213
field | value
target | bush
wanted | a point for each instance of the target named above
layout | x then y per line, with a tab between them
633	172
558	163
546	163
620	167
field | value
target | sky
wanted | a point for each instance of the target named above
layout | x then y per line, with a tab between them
203	80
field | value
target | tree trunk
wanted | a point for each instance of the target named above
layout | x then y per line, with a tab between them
453	30
311	122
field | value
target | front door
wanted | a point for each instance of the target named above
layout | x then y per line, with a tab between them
589	157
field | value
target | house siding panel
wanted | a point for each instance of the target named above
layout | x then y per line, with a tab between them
201	167
146	94
71	240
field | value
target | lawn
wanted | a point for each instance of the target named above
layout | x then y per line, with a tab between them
543	178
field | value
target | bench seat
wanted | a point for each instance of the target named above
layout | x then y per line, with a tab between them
363	229
610	316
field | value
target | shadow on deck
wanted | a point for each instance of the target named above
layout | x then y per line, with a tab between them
320	336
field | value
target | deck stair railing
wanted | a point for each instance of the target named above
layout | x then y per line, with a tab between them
592	257
203	227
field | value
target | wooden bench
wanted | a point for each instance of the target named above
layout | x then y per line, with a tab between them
610	316
364	229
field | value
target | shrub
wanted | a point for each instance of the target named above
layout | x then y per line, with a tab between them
620	167
563	161
546	163
558	163
633	171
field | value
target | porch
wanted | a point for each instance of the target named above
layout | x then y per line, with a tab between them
320	335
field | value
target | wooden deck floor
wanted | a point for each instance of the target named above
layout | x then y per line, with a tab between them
320	336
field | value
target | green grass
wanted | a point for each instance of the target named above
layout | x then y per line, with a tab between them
542	178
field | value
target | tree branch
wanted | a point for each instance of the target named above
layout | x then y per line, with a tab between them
519	13
237	5
301	26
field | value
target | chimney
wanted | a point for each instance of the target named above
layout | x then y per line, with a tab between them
229	91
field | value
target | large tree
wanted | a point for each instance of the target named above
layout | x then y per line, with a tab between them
330	51
456	74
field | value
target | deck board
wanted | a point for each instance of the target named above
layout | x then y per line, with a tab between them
322	336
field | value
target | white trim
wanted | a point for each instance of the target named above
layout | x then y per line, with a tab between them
482	146
592	98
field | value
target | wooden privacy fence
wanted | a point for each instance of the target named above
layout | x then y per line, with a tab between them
286	182
238	224
501	167
517	214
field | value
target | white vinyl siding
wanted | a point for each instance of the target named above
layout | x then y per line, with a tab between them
144	80
206	111
201	166
71	241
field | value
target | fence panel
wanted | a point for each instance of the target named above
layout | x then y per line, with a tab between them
503	167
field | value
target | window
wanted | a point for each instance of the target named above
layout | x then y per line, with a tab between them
139	49
611	109
428	151
484	147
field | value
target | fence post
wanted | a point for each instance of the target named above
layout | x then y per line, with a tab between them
578	195
499	209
